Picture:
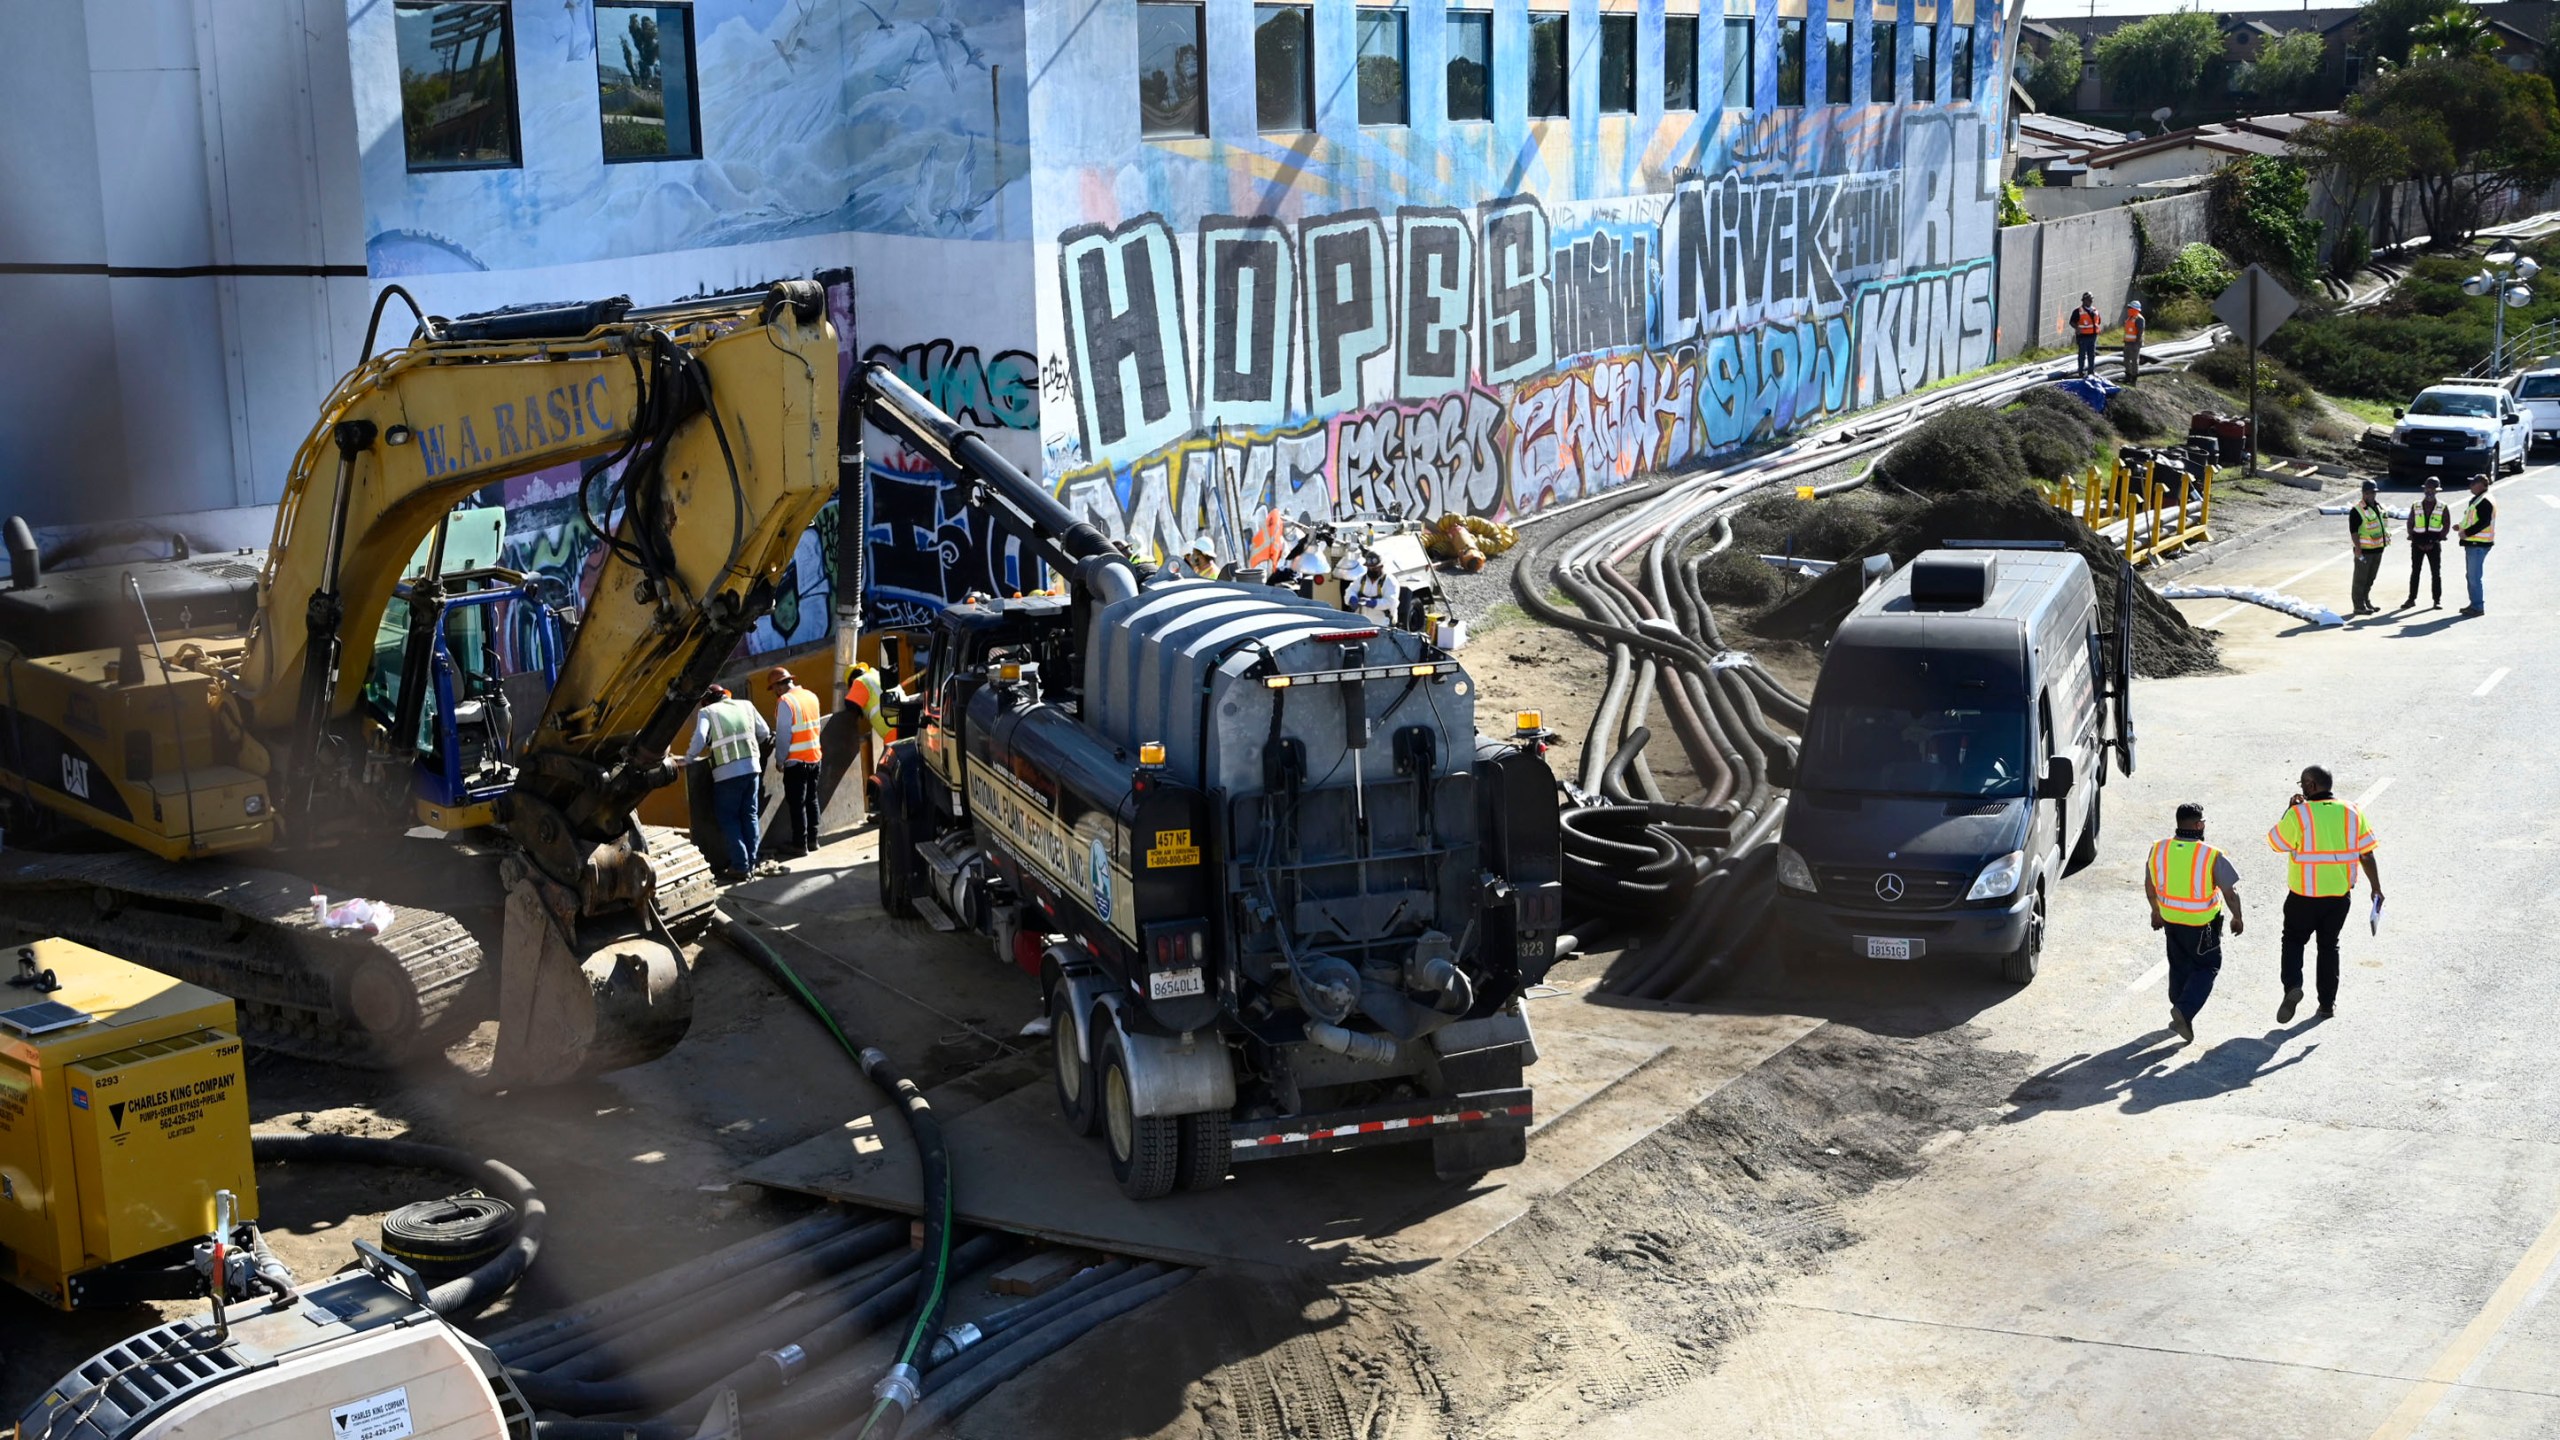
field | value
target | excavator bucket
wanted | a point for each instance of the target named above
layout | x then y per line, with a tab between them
574	1001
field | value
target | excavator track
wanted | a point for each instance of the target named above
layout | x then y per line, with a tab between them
372	1002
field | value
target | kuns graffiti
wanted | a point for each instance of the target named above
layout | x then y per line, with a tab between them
1509	356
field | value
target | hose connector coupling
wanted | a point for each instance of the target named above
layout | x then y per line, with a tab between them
904	1384
787	1362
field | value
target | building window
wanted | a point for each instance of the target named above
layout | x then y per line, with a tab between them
1548	58
1960	58
1173	92
644	82
1470	66
1284	67
1835	63
1382	67
1790	63
1740	34
1617	64
1881	39
1924	63
1680	62
457	85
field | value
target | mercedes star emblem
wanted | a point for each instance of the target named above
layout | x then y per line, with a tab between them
1889	887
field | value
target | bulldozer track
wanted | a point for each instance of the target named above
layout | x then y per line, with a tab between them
369	1001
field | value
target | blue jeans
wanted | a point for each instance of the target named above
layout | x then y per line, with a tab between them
2195	962
2473	557
734	805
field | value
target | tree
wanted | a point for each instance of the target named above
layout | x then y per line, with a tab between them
640	53
2261	211
2551	52
2162	57
2055	77
2355	159
2385	26
2469	127
2457	31
2287	65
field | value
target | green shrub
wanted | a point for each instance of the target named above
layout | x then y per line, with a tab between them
2279	429
1966	448
2352	253
1735	576
2227	365
2376	356
2198	270
2180	314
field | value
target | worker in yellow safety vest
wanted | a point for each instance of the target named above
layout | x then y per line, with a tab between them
733	734
795	720
2085	326
2134	329
2325	841
2429	521
2187	884
2369	527
2479	532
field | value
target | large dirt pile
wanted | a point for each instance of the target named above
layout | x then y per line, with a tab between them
2163	642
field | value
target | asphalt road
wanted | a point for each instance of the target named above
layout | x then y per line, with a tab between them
2324	1229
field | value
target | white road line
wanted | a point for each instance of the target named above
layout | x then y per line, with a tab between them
2214	621
2491	683
2368	797
2150	977
2551	500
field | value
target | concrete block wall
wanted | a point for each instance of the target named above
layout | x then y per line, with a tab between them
2045	267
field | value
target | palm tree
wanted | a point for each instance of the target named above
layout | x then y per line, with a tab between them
2456	31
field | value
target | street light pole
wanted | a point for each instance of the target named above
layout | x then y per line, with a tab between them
2506	278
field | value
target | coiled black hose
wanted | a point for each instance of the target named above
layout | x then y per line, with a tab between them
1031	1347
642	1297
457	1299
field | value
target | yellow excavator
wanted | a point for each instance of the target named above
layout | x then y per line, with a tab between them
192	750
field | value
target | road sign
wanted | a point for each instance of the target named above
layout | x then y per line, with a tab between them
2254	305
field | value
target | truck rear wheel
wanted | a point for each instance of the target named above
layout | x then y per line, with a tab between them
1146	1150
1207	1150
1072	1071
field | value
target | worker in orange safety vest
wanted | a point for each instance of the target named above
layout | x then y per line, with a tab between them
2325	841
2085	325
2134	329
2187	885
795	726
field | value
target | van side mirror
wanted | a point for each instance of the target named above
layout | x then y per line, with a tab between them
2059	775
1782	768
2399	414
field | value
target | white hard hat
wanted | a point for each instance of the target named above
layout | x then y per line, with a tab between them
1201	546
1312	562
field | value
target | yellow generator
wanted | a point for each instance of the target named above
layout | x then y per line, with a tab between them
122	1111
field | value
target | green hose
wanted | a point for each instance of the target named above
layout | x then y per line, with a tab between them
898	1389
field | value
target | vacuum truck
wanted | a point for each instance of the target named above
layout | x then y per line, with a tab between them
1280	896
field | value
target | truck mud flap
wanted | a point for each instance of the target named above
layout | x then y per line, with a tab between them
1380	1124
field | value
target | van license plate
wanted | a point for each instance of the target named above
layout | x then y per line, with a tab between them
2435	459
1879	948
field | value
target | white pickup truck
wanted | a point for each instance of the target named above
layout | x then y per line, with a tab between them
2538	396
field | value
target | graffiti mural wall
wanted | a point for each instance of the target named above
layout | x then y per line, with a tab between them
1495	316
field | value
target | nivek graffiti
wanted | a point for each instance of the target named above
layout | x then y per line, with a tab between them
1510	356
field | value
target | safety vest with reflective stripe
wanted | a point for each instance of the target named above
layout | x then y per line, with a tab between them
2373	527
2321	840
2428	524
862	692
2182	881
733	731
2488	533
1270	542
2132	325
2086	321
803	735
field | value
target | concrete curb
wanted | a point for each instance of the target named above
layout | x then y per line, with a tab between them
2214	553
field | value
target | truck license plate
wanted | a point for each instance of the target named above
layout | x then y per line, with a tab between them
1879	948
2435	459
1173	984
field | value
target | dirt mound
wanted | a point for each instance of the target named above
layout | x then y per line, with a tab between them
2163	642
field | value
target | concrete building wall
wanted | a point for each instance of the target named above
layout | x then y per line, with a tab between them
179	255
1492	316
2018	270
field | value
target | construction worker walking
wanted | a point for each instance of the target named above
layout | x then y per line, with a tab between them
735	735
2369	527
2479	532
2134	329
2428	522
2187	884
2325	841
796	719
2085	325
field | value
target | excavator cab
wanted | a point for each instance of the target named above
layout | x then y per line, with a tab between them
462	666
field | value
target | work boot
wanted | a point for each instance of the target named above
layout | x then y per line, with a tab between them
2327	1012
2186	1028
2292	1002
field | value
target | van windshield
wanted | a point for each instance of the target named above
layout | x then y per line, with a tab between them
1912	733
